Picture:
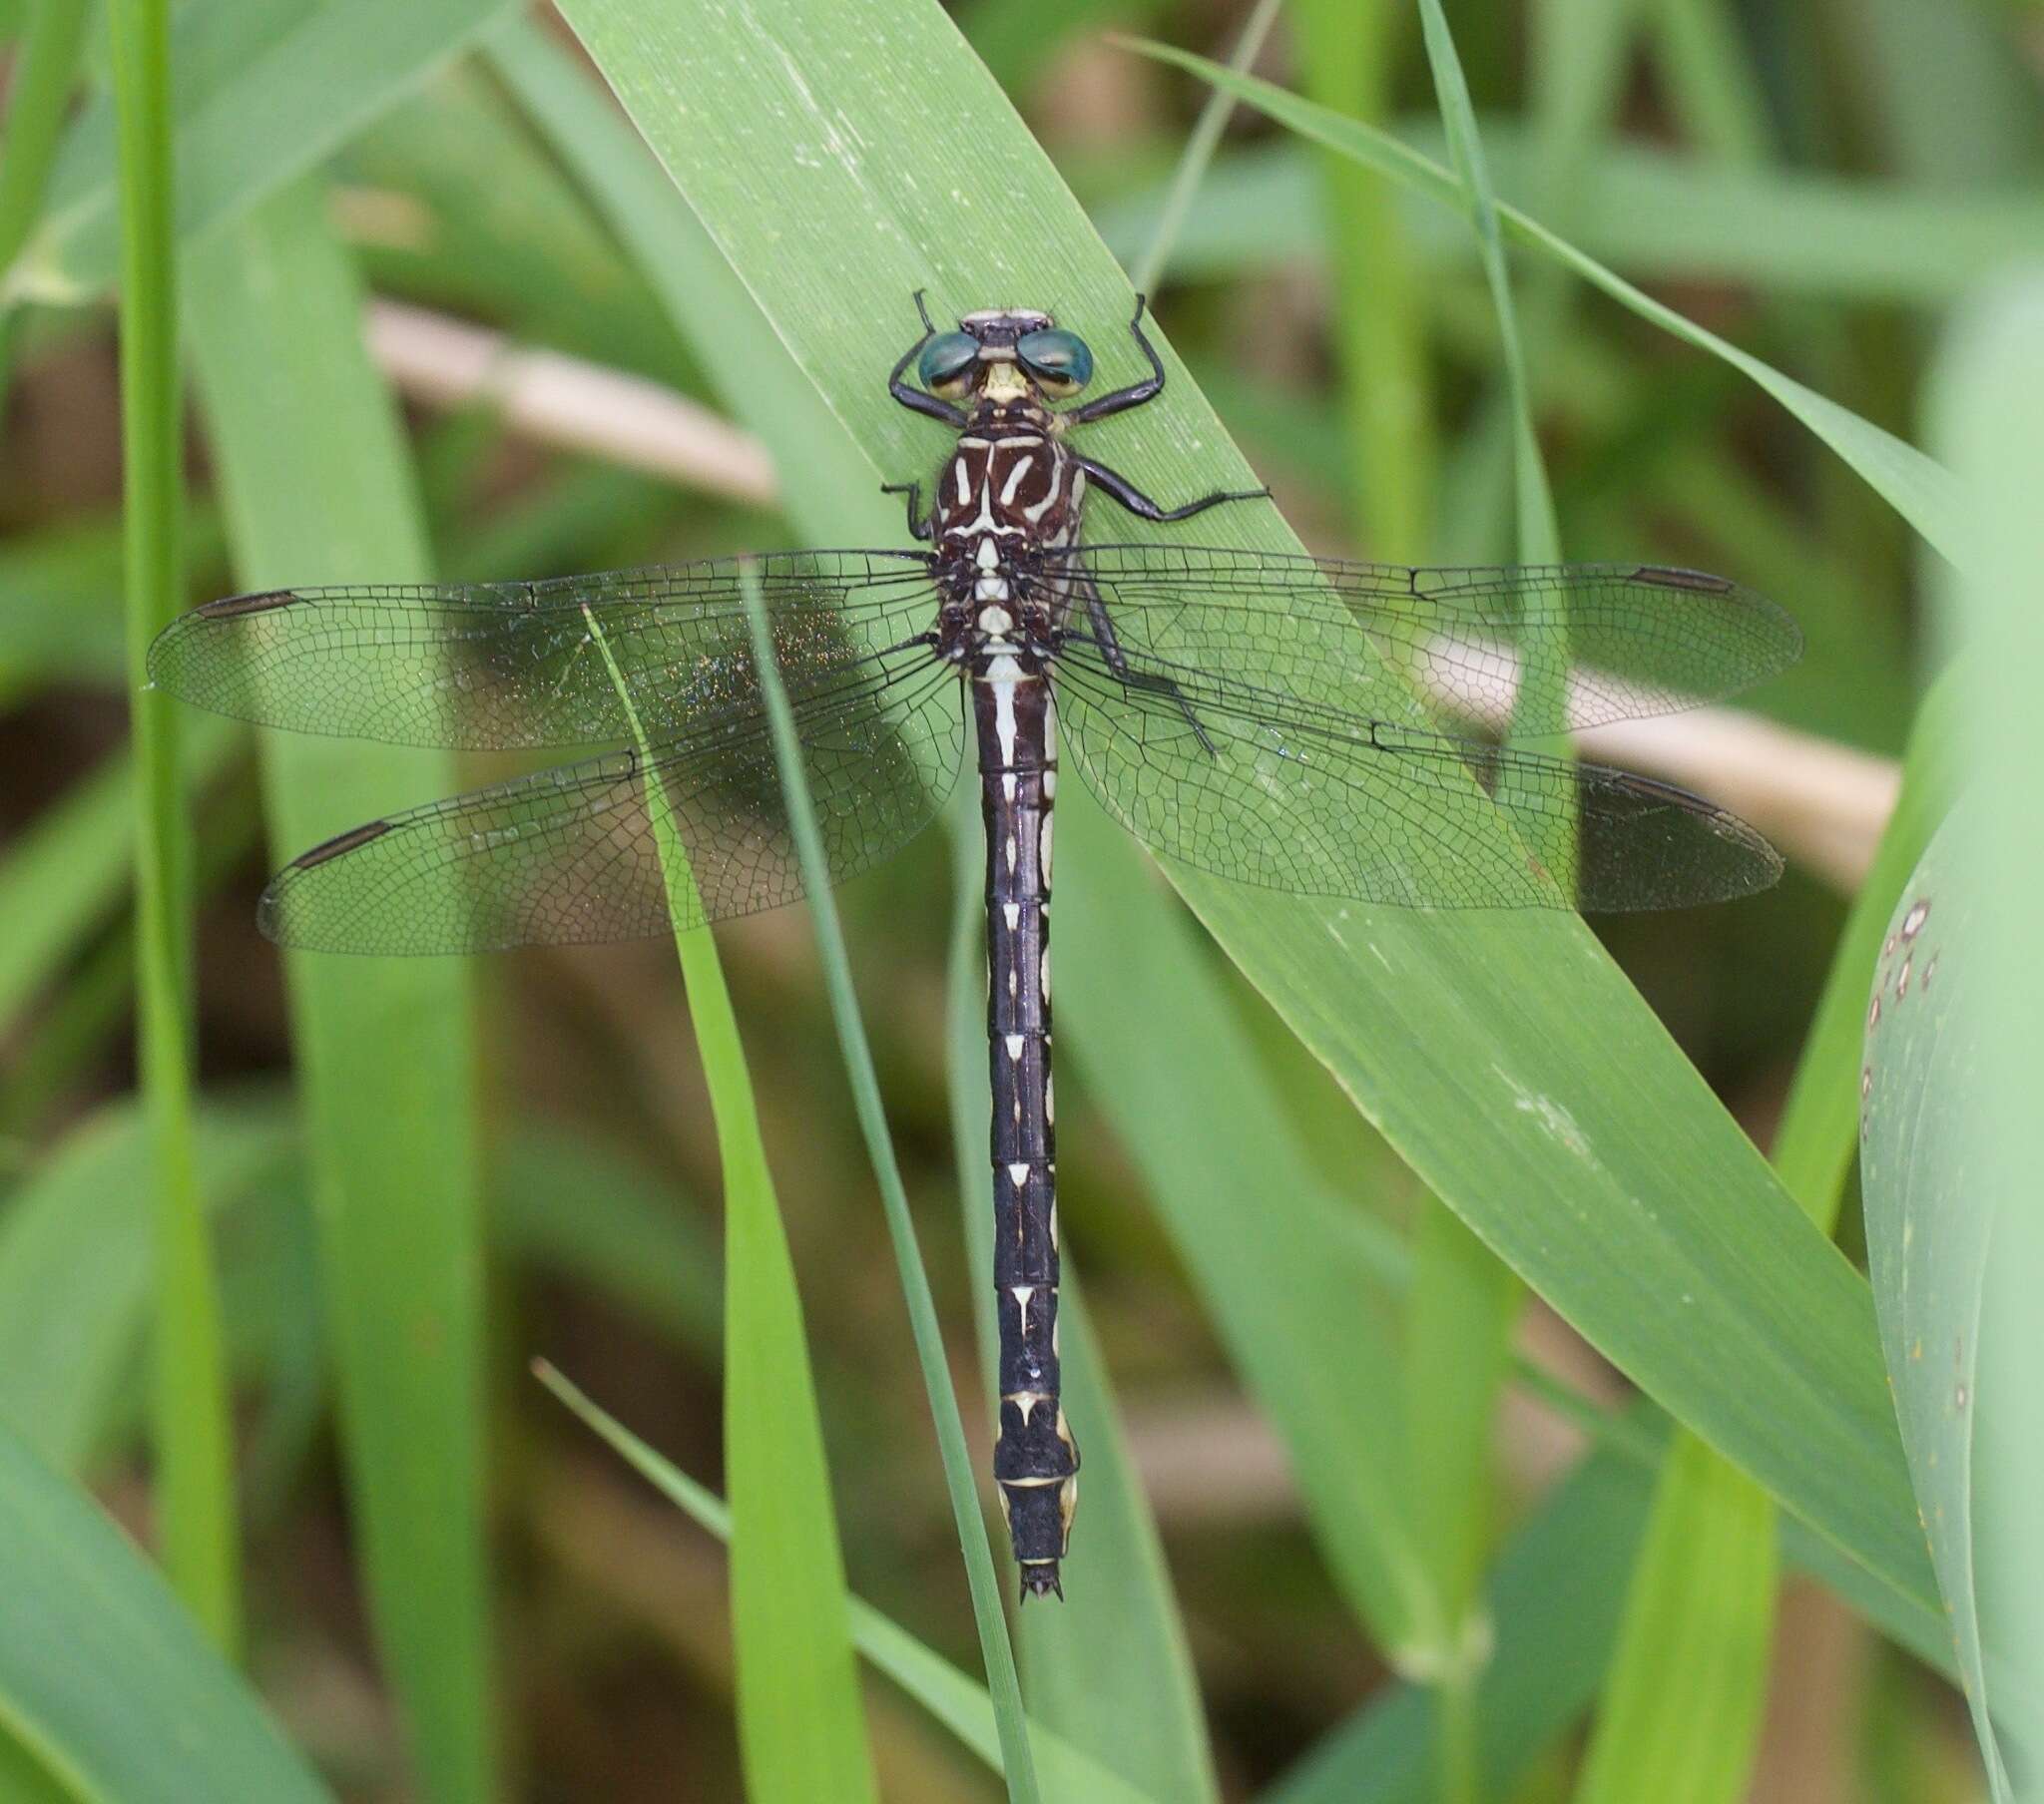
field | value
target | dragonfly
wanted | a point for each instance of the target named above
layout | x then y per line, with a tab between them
1312	726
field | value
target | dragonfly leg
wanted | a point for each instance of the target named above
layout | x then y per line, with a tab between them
1121	489
1136	393
1117	660
919	526
915	399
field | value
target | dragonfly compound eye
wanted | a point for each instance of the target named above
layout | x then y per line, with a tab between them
1060	361
948	362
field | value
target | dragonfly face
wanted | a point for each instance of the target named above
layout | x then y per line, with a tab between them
1311	725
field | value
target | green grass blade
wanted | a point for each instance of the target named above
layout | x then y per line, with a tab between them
800	1727
314	476
938	1686
194	1438
1539	536
1380	324
265	89
1654	212
995	1651
1201	143
1682	1713
1110	1669
104	1679
1918	489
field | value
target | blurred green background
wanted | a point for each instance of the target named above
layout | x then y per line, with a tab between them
1418	1540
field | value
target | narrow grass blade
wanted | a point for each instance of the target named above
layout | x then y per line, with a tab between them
104	1679
1682	1713
1917	488
1109	1669
1201	143
1379	321
194	1438
938	1686
1654	212
801	1727
264	90
314	476
1016	1760
1539	536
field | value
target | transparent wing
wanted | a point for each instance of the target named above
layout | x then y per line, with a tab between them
1635	640
511	664
569	855
1266	788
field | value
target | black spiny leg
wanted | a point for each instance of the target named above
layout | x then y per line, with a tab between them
1136	393
915	399
1120	488
919	524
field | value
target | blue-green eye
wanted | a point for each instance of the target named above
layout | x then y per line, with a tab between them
948	361
1058	361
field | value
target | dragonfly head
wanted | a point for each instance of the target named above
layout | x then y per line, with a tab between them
1006	354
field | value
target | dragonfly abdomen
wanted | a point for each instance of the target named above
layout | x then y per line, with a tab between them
1036	1463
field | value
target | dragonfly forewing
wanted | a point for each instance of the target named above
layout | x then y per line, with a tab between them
1635	640
513	664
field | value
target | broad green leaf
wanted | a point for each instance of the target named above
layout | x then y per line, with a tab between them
948	1695
263	91
1953	1060
1682	1713
313	476
1992	395
1921	491
1503	1056
1930	1217
801	1727
104	1679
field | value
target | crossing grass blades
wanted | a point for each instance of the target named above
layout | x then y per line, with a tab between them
1318	727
